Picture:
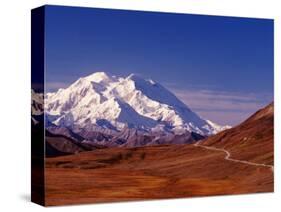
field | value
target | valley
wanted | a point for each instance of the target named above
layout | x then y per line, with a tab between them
169	171
222	164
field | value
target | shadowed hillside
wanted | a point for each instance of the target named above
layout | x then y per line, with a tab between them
252	140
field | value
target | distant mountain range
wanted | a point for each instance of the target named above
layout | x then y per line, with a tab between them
120	111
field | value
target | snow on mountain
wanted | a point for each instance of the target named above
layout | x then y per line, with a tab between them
37	102
116	103
217	128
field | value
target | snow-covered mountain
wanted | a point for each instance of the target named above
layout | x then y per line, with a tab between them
104	103
37	102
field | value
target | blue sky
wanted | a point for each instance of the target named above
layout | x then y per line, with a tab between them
221	67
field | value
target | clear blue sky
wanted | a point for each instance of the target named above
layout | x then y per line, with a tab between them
221	67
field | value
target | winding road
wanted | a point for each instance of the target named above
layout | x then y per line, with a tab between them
228	156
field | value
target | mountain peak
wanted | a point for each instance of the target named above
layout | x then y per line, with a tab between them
134	77
140	79
98	77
